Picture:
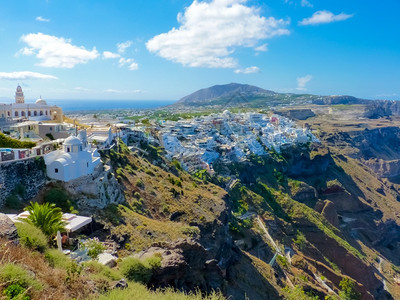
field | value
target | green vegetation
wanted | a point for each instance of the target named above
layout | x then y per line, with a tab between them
14	199
138	270
93	246
16	274
7	142
46	217
190	231
15	291
300	240
57	259
137	291
50	136
297	293
348	290
100	271
58	196
31	237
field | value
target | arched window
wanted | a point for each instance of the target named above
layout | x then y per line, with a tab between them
16	114
46	113
41	113
35	113
8	113
29	113
22	114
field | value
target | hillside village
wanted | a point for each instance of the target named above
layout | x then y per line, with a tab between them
205	193
70	153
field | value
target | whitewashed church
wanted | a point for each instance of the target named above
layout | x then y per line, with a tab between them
76	159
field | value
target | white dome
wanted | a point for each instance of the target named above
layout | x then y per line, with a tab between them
72	141
40	101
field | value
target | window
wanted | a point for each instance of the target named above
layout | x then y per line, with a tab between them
56	170
68	150
51	128
87	164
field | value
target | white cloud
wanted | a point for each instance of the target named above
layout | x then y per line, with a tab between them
123	91
24	75
81	89
262	48
302	82
41	19
132	65
210	31
306	3
109	54
323	17
123	46
56	52
249	70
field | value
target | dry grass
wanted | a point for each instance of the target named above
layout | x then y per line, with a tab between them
53	280
153	194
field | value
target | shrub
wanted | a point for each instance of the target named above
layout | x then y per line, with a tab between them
20	189
15	291
93	246
190	230
137	291
31	236
57	259
348	290
13	201
15	274
139	183
7	142
60	197
135	269
300	240
283	261
101	271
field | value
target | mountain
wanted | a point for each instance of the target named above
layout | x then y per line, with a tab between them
244	95
222	92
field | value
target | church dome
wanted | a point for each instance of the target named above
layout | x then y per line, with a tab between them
41	101
72	141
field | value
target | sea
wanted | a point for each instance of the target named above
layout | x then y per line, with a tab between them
92	105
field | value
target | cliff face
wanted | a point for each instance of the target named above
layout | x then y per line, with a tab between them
382	108
28	173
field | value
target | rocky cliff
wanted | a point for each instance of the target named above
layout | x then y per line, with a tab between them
27	175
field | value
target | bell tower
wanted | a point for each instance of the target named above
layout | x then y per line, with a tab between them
19	95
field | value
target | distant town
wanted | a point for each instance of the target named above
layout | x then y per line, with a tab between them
70	146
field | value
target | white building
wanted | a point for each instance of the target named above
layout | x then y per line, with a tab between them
75	160
38	111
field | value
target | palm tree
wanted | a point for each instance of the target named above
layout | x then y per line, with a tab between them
46	217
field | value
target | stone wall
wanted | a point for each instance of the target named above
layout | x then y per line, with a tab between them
31	173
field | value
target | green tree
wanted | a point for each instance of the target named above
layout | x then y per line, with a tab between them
46	217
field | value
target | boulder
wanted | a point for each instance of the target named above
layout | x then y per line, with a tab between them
120	284
7	228
107	259
185	265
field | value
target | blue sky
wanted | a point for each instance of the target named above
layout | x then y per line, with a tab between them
110	49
